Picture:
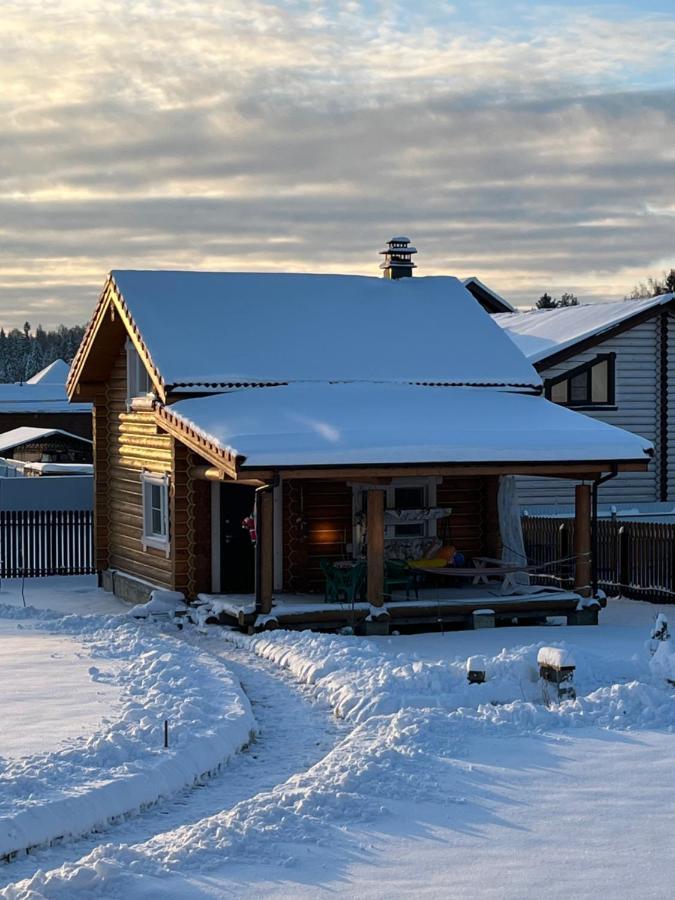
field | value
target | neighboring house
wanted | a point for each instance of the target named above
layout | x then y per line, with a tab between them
614	362
44	445
42	402
354	411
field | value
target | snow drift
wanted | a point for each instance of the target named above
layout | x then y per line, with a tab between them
125	767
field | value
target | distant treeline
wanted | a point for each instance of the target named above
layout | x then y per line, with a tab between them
24	352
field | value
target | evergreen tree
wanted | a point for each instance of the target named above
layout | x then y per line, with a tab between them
568	299
546	302
22	354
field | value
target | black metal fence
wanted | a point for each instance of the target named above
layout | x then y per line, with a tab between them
36	543
635	559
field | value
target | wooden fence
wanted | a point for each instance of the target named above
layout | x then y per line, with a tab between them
36	543
635	559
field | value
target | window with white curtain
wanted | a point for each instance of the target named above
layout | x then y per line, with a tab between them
155	510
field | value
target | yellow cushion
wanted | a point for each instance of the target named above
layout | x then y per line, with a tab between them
428	563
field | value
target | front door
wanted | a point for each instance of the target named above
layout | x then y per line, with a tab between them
237	553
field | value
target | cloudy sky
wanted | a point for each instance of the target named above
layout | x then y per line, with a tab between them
531	144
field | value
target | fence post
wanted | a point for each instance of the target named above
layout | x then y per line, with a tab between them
624	562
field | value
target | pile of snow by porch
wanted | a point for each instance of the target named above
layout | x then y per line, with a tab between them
122	766
359	680
161	603
314	327
357	423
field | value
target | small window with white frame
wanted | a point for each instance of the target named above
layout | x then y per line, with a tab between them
138	379
155	511
408	499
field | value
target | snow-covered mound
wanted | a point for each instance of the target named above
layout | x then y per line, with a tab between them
165	604
124	766
358	680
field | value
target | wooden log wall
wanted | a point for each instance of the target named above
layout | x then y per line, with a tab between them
317	524
473	527
127	442
133	445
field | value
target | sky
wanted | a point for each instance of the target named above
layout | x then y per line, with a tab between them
530	144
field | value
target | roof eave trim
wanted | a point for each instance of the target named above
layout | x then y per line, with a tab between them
225	458
111	298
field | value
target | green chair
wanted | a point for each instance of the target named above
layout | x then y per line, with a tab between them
398	574
343	585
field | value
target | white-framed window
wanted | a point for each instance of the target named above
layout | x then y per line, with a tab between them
155	511
408	496
138	380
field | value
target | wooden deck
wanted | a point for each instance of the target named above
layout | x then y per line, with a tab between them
467	607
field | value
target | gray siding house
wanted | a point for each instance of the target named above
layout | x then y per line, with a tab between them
614	362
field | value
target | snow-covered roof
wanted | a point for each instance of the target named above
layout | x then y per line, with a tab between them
342	424
55	373
216	327
540	333
16	437
37	398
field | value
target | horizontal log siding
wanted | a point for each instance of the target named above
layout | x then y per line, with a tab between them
133	445
317	524
637	410
469	501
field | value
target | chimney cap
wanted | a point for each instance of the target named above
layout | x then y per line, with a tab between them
398	258
399	245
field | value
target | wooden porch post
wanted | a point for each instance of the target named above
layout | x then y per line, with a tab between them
582	539
375	546
264	550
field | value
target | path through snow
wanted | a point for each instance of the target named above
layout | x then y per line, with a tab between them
293	734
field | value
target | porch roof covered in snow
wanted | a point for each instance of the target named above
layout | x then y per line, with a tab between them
200	331
357	424
542	334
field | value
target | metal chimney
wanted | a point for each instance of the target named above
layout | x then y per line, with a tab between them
398	258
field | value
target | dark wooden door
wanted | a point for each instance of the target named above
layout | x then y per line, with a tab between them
237	553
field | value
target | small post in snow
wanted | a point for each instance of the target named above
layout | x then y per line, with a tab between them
166	734
475	670
557	667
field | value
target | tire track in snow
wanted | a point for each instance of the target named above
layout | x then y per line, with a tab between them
295	733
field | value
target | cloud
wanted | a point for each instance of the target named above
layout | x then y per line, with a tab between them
534	151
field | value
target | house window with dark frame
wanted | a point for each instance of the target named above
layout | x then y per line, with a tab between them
589	385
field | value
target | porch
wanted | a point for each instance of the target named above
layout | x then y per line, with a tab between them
473	606
305	527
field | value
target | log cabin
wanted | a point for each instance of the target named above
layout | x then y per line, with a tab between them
365	419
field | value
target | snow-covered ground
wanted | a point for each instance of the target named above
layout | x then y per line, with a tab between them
69	594
422	786
48	696
121	763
